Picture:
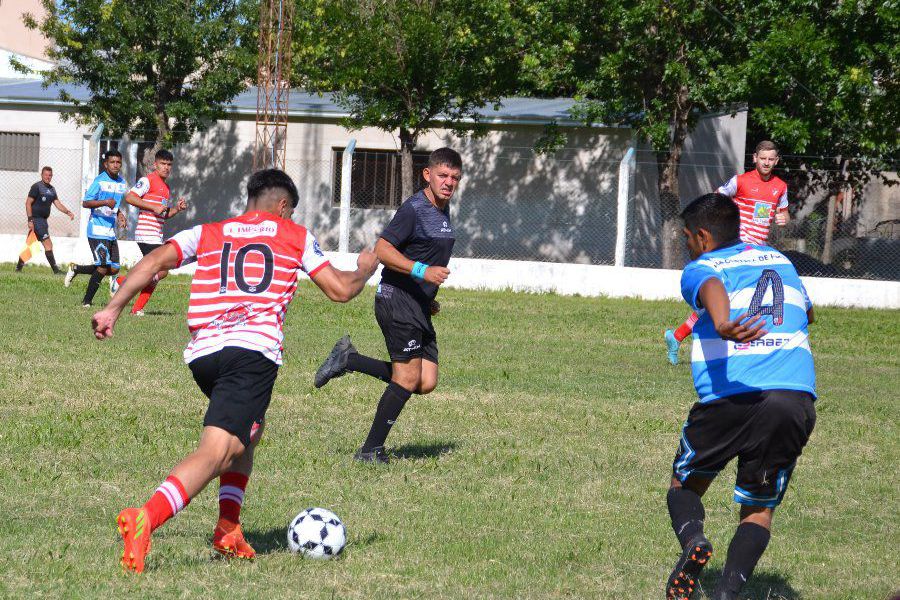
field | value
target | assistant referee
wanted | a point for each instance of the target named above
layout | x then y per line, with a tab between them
415	249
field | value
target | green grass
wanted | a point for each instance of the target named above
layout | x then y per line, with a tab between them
537	469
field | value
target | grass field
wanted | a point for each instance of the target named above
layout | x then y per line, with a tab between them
538	468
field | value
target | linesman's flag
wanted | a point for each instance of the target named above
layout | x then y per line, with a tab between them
32	247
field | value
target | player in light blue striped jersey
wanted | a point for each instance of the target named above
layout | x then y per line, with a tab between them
753	371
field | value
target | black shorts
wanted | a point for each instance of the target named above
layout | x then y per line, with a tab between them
765	430
147	248
406	325
106	252
41	229
238	383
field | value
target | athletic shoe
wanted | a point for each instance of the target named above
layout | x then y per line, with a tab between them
70	275
375	455
672	346
134	527
683	581
137	313
336	363
86	305
114	283
232	544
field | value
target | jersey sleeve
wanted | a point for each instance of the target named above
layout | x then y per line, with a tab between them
141	187
401	227
34	193
92	192
729	188
692	279
186	243
313	259
783	201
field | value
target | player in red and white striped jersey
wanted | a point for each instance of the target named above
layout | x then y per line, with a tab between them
247	269
761	196
151	195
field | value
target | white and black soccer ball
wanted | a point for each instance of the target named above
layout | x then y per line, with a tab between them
317	533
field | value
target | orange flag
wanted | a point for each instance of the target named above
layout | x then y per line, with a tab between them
32	247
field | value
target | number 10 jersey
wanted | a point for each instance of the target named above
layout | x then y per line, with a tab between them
758	280
246	276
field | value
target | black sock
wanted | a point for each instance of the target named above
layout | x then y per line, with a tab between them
687	514
19	264
51	260
85	269
379	369
93	284
747	546
392	401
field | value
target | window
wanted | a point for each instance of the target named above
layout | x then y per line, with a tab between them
375	177
108	144
20	151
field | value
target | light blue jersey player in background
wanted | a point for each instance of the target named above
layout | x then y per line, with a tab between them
104	198
753	371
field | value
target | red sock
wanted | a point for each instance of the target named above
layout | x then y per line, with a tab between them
166	502
231	496
143	298
686	328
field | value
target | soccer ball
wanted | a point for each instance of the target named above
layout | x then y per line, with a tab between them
317	533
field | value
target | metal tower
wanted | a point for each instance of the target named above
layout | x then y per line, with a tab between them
273	83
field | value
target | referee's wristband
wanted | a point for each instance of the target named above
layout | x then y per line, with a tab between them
418	271
30	219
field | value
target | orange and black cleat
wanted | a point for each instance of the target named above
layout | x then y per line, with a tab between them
684	578
230	543
134	527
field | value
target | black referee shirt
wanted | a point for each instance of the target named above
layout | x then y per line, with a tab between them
43	195
422	233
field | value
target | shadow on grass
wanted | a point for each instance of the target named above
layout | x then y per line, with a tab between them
413	451
269	541
761	586
163	313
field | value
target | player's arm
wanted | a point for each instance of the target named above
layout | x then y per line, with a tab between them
28	202
135	197
810	316
714	298
164	258
393	259
782	216
729	188
175	208
91	198
64	209
343	286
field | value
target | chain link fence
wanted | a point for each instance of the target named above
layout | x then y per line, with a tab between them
513	203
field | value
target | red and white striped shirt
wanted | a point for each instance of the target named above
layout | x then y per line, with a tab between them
246	276
152	189
758	202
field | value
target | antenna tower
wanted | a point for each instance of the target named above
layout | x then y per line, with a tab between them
273	83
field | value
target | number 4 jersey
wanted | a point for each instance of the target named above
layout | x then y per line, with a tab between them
759	280
246	276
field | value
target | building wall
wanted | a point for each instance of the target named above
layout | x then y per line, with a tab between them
14	36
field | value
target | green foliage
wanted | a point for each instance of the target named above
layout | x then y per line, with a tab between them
403	64
156	70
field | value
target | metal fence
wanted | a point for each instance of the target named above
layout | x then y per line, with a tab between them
579	205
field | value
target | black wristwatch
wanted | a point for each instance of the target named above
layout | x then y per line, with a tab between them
30	219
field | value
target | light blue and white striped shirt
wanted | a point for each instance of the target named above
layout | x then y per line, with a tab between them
102	224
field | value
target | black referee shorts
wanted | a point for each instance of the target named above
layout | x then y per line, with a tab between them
41	229
765	430
406	325
238	383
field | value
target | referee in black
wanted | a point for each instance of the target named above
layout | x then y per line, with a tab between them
415	249
37	208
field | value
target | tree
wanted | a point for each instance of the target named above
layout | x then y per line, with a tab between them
158	71
404	65
655	65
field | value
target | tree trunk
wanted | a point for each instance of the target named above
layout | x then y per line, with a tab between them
162	132
829	216
667	183
407	177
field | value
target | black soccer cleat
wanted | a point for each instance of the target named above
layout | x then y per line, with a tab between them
336	363
684	578
376	455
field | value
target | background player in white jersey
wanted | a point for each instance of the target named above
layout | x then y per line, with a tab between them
246	276
151	195
761	197
755	380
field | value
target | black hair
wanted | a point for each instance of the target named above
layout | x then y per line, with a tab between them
270	179
163	154
717	214
445	156
47	168
111	153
